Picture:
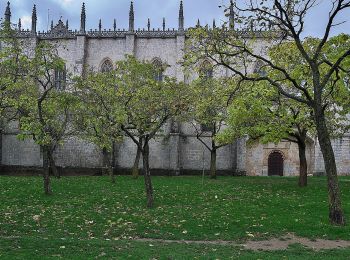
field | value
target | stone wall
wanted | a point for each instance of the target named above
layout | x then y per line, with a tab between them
20	153
257	155
173	152
341	149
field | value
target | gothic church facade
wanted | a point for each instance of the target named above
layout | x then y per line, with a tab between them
177	151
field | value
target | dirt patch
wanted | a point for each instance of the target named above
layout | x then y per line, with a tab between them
285	241
198	242
273	244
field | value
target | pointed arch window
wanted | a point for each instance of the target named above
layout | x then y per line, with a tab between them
107	66
206	70
157	63
60	78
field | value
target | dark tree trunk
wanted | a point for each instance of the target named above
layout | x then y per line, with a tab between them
46	171
111	173
147	175
107	165
52	165
113	161
105	161
213	163
135	168
302	161
336	214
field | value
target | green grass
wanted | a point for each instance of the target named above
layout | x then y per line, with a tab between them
93	249
88	217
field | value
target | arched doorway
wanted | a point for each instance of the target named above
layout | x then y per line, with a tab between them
275	164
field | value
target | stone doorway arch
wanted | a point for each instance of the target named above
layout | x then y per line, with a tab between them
275	164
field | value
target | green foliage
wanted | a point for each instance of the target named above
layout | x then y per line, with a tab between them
99	115
210	98
147	102
261	113
288	57
284	66
12	66
44	110
27	89
129	96
263	107
334	95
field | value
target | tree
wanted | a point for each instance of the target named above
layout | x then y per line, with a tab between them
99	115
12	64
45	105
323	59
149	104
208	112
263	114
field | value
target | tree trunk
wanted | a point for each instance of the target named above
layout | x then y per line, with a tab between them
52	165
213	163
107	165
336	214
104	161
113	163
147	175
46	171
302	162
135	168
111	174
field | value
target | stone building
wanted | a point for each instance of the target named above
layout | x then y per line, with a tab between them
177	151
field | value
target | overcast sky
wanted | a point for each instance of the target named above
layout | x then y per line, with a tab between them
107	10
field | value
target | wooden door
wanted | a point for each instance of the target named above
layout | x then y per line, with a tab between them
275	164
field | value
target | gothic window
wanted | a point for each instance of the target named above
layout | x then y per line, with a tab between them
206	70
60	78
157	63
106	66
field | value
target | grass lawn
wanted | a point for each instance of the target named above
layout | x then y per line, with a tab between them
89	217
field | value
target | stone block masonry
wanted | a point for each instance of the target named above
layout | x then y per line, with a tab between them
180	152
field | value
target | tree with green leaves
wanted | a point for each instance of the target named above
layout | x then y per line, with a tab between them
99	115
274	30
208	112
336	105
149	103
264	115
45	106
13	64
